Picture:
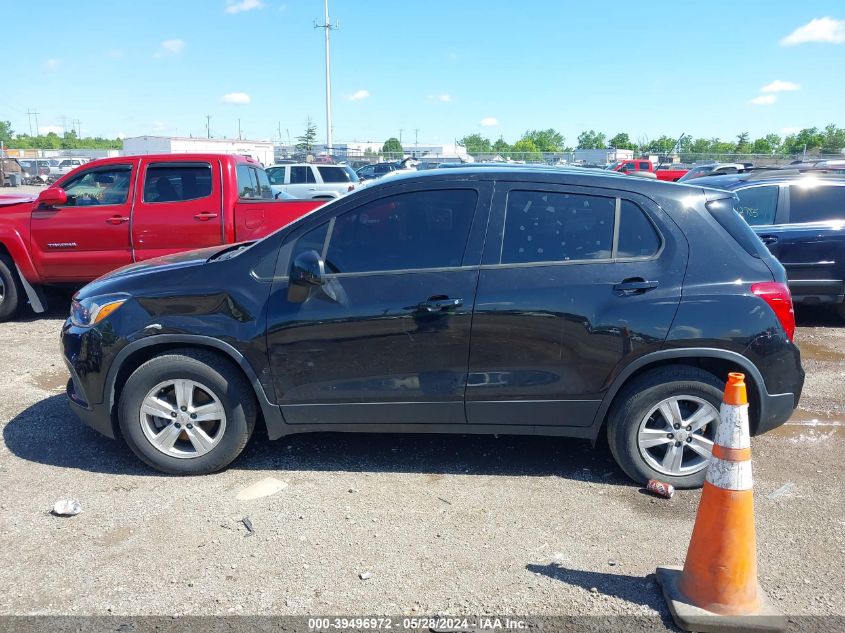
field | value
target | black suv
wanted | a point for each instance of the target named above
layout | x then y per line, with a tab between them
529	301
800	216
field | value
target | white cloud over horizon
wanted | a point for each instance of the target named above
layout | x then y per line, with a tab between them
826	30
170	47
489	121
236	6
52	64
780	86
359	95
764	100
236	98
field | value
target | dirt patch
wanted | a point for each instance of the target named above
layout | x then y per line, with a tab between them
811	350
54	380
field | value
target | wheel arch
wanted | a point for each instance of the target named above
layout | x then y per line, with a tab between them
718	362
138	352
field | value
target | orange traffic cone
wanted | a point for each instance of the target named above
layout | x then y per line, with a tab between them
718	589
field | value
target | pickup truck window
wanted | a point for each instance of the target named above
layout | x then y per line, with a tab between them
105	185
253	184
177	182
301	174
758	204
816	203
555	227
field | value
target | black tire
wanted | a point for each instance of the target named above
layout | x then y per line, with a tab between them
840	310
637	398
213	372
11	290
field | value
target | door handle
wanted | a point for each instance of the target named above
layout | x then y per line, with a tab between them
634	286
204	216
440	304
117	219
769	239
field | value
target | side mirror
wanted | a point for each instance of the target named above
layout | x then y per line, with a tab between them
308	269
51	197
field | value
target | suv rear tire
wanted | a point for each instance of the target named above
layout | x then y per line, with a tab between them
10	289
187	412
653	425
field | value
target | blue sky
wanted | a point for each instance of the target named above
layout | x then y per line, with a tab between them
446	67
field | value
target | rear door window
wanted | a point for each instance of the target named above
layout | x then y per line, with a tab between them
758	205
816	203
177	182
643	166
301	175
637	235
253	185
333	174
557	227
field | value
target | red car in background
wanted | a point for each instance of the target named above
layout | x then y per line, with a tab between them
643	166
117	211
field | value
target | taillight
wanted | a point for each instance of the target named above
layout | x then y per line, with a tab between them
779	298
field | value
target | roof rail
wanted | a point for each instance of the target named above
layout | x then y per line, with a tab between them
767	173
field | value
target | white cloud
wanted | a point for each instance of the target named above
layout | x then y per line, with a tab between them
444	98
52	64
233	6
790	130
358	95
114	53
158	126
46	129
818	30
764	100
238	98
170	47
780	86
489	121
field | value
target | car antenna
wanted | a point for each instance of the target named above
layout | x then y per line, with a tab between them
671	151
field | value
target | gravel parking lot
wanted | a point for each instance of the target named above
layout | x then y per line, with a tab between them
458	525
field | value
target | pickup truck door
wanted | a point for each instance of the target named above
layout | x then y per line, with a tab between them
179	207
88	236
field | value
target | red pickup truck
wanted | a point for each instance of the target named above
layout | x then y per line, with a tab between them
116	211
643	165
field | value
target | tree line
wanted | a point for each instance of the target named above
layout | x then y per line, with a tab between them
69	140
534	143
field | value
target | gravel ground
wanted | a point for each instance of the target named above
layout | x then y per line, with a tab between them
443	524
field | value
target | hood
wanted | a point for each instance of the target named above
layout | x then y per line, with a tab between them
175	260
10	199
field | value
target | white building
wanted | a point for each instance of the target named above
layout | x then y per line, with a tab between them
602	156
353	150
138	145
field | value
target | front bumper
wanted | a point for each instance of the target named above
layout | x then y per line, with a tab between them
97	417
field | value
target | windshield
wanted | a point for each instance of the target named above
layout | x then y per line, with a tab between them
614	166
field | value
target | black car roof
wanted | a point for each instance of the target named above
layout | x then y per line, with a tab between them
772	176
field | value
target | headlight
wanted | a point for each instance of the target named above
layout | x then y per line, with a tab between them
90	311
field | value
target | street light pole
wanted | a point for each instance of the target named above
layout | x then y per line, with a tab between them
327	27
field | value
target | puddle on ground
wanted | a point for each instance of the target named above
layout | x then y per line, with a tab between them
810	350
807	427
54	379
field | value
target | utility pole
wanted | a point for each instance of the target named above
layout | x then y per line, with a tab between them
416	136
64	124
279	125
208	125
328	27
239	130
78	124
400	134
29	114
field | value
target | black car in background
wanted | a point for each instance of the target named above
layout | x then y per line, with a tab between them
495	301
800	216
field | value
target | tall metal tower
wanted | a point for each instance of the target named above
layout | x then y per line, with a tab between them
327	26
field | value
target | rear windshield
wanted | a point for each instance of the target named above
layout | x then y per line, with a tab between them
726	212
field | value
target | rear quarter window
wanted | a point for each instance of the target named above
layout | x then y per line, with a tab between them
333	174
758	205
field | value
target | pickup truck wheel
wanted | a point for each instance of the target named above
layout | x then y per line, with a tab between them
661	425
10	289
187	412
